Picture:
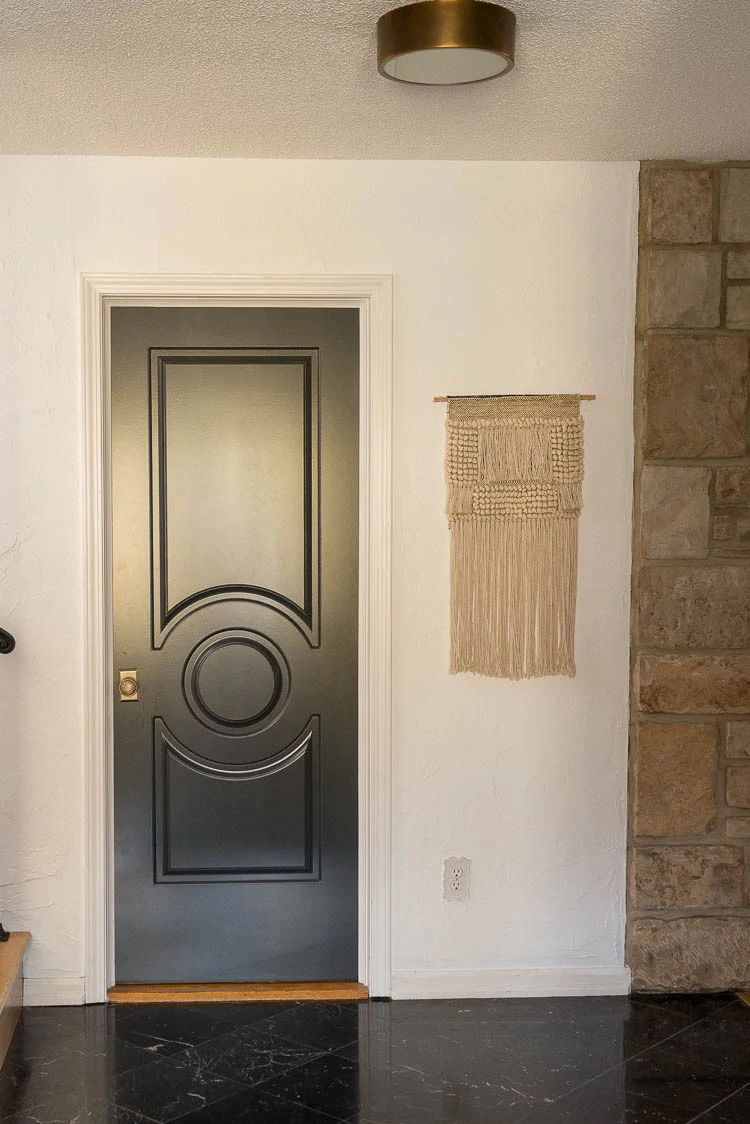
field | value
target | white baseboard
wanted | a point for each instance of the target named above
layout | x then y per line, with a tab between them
503	983
60	991
450	983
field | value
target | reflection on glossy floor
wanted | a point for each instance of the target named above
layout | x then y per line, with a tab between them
585	1061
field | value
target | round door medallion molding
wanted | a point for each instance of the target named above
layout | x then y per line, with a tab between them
236	682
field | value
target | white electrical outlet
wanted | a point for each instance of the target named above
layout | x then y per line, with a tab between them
456	878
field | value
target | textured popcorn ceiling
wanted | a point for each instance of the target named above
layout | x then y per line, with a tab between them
594	79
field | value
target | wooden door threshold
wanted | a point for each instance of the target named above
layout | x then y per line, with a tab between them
235	992
11	987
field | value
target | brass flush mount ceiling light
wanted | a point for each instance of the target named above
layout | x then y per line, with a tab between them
446	42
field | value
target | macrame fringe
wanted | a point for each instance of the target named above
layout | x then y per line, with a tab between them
518	453
460	499
570	497
513	596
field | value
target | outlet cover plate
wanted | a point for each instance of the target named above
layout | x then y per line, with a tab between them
456	879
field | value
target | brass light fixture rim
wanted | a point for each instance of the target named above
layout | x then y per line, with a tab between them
438	85
474	25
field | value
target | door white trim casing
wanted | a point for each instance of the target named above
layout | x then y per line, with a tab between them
372	295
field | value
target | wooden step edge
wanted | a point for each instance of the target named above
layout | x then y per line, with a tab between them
744	997
236	992
11	959
11	986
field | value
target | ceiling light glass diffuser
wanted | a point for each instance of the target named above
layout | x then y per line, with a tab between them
446	42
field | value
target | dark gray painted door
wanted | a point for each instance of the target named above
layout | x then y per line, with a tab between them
235	485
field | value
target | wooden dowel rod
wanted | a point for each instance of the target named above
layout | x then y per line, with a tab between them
447	397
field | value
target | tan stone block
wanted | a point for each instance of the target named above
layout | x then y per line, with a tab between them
738	827
738	263
738	786
738	739
723	528
675	512
694	684
683	288
732	549
690	954
694	606
692	877
737	537
675	778
696	396
678	204
738	306
733	487
734	205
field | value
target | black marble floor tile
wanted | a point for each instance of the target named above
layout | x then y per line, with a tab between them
620	1060
79	1048
646	1025
256	1107
722	1039
694	1006
330	1085
325	1026
44	1030
168	1089
342	1087
81	1107
247	1055
536	1059
735	1110
167	1030
407	1098
93	1114
673	1075
65	1074
516	1011
636	1025
607	1100
244	1014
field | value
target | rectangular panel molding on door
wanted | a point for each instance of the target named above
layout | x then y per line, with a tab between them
235	453
266	847
260	400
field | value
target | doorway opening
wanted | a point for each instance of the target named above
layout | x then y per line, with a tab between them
185	859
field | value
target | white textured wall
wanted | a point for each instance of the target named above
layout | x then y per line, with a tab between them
508	277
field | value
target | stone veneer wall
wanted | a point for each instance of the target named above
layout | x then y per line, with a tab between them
689	856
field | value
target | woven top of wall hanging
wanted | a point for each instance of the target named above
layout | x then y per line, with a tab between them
514	457
514	406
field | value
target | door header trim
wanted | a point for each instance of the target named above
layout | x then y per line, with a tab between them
373	296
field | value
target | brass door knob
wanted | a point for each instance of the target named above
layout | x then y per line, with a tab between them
128	686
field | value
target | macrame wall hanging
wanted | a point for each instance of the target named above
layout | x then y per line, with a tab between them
514	467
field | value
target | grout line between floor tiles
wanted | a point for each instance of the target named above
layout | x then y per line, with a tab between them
316	1055
297	1065
203	1108
145	1119
704	1114
297	1042
648	1000
324	1116
640	1053
657	1103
